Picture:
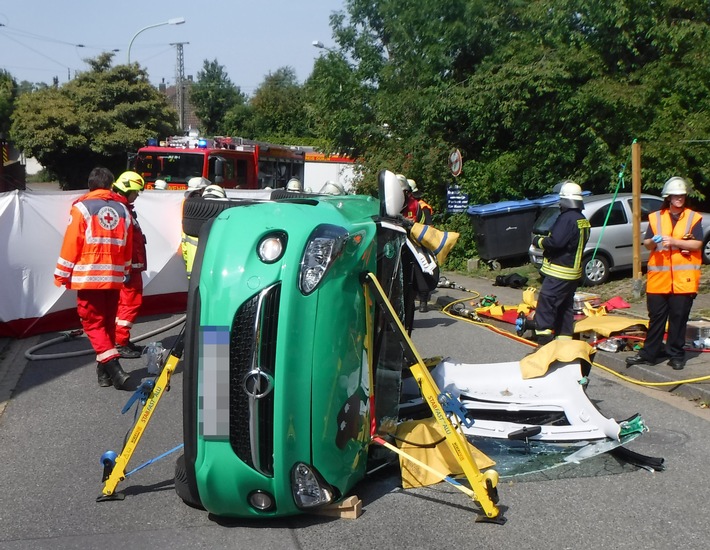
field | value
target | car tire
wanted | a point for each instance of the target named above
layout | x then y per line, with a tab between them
182	487
706	250
196	211
595	272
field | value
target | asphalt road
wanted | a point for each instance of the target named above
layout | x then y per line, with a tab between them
58	423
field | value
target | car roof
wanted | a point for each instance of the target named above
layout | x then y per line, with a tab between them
609	196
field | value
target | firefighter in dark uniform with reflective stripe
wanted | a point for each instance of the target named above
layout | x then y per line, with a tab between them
561	266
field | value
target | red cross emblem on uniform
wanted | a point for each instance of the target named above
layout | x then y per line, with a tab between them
108	218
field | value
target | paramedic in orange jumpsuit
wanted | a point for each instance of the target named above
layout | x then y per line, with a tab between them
127	187
94	260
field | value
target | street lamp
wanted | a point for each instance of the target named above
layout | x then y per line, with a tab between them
174	21
318	44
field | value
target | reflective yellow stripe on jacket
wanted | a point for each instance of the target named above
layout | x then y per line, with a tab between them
573	272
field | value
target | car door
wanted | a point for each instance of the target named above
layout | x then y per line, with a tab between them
648	205
616	237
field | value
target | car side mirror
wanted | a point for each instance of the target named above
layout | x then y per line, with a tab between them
390	192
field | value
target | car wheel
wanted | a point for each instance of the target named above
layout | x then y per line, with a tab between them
596	271
196	211
182	486
706	250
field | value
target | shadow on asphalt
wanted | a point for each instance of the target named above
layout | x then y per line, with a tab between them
46	368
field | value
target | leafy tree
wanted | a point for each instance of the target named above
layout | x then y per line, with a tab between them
531	91
213	96
336	107
277	106
8	93
92	120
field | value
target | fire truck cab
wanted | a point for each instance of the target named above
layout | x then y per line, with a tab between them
232	162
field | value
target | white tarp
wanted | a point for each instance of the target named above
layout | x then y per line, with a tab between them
33	223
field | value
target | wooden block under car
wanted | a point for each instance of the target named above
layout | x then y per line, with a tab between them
348	508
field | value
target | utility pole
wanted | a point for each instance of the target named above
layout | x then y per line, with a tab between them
180	84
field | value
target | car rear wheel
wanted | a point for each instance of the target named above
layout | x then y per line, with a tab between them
595	272
706	250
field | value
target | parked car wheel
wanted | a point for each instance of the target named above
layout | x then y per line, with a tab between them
706	250
596	271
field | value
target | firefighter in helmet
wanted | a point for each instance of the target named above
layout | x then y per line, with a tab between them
128	186
561	266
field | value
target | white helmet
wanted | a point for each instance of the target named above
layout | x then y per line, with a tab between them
213	192
412	185
571	195
160	184
675	186
332	188
294	184
197	182
403	183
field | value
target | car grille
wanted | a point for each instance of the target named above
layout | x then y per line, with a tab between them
252	363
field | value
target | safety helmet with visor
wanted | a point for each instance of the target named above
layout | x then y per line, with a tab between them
571	195
214	191
294	185
129	182
197	182
404	184
332	188
674	186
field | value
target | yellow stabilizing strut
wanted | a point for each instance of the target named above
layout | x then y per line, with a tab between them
483	485
115	469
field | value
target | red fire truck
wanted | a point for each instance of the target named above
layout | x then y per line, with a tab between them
232	162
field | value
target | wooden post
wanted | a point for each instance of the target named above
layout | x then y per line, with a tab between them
636	191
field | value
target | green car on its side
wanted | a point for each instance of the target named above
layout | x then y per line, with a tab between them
276	378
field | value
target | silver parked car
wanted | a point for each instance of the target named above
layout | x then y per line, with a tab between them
615	241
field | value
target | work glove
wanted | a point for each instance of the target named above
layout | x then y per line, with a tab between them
126	278
536	241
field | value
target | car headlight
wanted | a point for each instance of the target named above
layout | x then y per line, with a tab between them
309	490
324	245
271	248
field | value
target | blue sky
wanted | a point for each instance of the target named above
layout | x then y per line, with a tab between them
250	38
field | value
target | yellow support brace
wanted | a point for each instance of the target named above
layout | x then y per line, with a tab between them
118	473
483	485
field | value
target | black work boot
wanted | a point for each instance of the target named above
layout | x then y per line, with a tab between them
117	374
130	350
102	375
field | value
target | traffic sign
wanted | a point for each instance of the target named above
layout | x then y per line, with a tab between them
455	162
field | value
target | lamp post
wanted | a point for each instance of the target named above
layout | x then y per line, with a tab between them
318	44
174	21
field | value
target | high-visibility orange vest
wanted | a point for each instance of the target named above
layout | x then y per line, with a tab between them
96	252
674	270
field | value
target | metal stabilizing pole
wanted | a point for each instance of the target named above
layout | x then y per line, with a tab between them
483	485
115	466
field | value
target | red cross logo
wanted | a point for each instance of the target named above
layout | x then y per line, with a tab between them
108	218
